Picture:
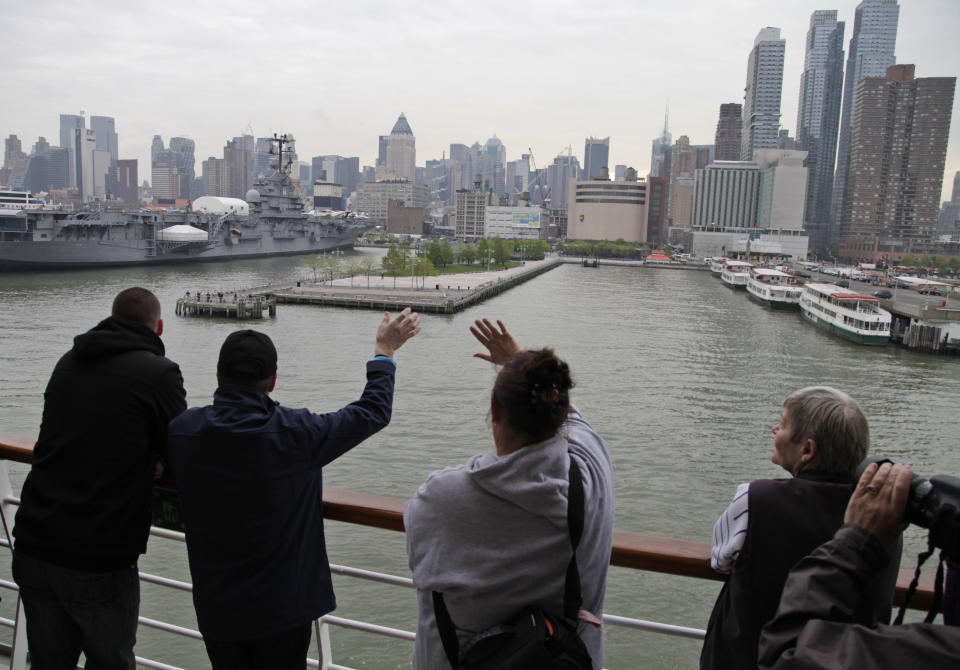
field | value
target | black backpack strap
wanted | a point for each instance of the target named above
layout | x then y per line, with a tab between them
572	598
448	632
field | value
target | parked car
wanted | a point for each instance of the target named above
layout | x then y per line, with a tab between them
801	273
843	283
883	293
931	291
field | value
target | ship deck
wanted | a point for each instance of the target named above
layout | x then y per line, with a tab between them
638	551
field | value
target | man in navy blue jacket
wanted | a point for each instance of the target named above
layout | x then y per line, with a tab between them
249	473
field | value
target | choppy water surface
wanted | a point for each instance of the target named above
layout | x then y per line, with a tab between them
682	376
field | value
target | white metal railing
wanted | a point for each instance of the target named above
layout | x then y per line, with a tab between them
18	656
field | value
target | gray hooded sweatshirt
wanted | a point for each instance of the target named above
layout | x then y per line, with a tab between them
492	536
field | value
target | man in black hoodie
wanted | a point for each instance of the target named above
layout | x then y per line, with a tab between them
84	514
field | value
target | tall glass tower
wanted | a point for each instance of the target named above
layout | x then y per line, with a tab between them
761	100
818	118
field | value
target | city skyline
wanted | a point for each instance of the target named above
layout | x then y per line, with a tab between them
338	79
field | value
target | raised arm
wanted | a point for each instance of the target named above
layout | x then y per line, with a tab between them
498	341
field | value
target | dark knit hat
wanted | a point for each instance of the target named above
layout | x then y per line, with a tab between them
247	356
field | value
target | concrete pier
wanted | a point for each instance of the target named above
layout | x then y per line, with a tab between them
443	294
245	307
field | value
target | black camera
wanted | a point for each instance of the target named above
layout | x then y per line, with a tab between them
935	504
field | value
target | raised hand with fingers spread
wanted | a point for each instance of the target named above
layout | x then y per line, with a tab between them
499	343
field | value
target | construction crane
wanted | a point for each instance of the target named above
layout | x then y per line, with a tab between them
544	189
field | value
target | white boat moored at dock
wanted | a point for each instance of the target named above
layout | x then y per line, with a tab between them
853	316
735	274
774	288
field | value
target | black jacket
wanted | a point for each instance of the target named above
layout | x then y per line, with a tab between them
788	519
816	627
86	502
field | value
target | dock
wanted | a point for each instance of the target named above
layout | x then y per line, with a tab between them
251	306
444	294
931	327
619	262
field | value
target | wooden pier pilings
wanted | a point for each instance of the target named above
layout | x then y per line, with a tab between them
246	307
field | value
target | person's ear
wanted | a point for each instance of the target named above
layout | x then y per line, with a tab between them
273	383
495	409
159	329
810	452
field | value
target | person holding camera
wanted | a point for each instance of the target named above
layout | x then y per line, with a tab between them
816	627
494	537
250	474
820	439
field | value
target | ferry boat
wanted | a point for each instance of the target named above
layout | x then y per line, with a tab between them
716	265
14	202
271	221
856	317
774	288
735	274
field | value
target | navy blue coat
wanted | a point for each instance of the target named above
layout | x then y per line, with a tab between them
249	473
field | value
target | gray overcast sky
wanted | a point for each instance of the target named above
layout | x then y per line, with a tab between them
542	74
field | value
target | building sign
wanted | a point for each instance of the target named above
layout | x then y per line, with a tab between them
526	219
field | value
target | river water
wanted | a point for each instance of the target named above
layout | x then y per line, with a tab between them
682	376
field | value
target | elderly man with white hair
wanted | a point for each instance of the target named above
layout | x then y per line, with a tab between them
820	439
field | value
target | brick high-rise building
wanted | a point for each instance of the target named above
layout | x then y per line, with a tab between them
871	52
680	165
127	185
729	127
899	147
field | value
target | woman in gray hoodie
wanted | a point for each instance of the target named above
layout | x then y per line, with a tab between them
492	535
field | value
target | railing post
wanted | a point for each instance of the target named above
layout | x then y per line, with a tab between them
323	643
18	652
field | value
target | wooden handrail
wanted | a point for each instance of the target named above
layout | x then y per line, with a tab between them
640	551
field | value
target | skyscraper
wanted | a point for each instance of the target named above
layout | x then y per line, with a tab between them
238	162
494	172
106	130
727	140
761	100
560	174
127	187
69	124
680	166
12	150
898	154
596	156
183	149
156	149
871	53
661	145
818	118
401	152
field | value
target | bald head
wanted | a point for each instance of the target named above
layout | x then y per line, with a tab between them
138	304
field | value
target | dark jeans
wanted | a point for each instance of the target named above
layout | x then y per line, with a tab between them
69	611
282	651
